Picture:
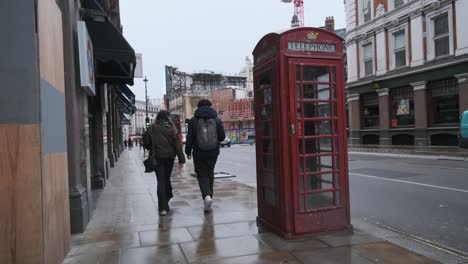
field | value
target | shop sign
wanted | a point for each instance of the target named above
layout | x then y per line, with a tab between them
85	49
376	85
139	66
311	47
403	107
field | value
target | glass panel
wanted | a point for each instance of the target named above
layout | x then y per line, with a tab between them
267	145
267	96
270	196
400	58
323	127
298	91
367	10
319	182
316	109
299	109
301	203
399	38
399	3
300	146
319	200
316	163
317	91
268	179
298	73
368	67
316	73
319	145
268	162
402	106
267	129
441	26
368	51
442	46
266	112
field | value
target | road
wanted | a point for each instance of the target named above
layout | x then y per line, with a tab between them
420	197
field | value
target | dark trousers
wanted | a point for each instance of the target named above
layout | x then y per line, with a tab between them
163	175
204	167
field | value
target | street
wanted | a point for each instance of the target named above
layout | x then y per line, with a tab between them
424	198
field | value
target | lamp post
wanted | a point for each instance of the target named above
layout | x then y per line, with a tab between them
146	101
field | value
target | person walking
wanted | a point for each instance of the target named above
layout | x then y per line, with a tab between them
125	143
130	143
165	146
205	132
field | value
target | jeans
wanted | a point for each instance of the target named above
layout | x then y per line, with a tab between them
163	175
204	168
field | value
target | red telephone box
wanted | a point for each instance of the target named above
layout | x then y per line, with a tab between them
301	139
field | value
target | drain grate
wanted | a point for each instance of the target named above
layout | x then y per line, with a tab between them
219	175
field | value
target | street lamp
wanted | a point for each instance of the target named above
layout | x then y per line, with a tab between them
146	101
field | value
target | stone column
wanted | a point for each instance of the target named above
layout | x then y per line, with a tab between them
384	116
417	37
353	61
98	173
79	205
463	91
110	132
381	47
420	112
354	116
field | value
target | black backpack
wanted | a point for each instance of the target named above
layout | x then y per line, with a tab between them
207	135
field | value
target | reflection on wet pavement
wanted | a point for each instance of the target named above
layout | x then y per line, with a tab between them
126	228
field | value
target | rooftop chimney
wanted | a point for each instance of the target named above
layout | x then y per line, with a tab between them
330	24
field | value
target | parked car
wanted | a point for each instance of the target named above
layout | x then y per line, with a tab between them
226	142
463	132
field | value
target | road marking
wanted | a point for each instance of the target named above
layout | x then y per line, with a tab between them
427	242
415	183
434	166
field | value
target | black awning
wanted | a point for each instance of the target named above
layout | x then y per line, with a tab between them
115	58
124	104
127	92
124	120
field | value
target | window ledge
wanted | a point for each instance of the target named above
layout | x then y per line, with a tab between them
402	128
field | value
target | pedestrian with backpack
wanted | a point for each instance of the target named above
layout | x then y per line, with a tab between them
205	131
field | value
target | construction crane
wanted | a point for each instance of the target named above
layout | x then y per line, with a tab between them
298	18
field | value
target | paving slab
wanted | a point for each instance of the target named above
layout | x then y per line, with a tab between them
126	228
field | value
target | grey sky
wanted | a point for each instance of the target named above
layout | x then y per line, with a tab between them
212	35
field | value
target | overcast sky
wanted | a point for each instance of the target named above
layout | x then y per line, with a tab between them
216	35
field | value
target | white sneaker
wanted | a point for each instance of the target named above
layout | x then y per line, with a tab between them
208	203
163	212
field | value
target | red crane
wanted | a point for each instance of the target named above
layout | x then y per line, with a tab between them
298	17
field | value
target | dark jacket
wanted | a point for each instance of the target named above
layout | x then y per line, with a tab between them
191	141
165	142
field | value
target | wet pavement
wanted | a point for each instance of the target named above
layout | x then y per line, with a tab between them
126	227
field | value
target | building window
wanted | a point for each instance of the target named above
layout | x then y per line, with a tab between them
444	104
366	11
399	3
402	107
399	49
368	59
370	110
441	35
